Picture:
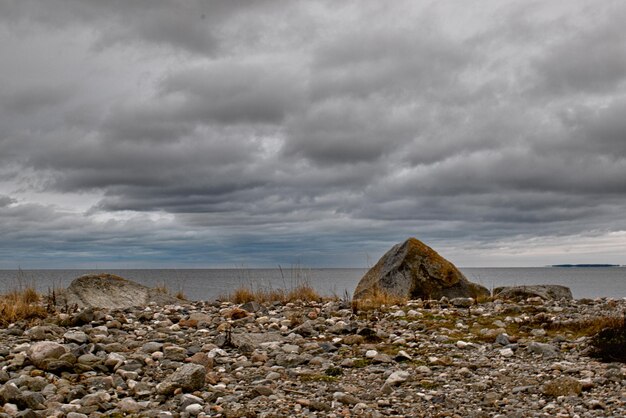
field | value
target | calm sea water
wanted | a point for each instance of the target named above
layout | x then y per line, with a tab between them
208	284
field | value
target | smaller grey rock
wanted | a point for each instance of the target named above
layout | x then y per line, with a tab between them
129	405
345	398
462	302
273	376
188	377
175	353
538	332
188	399
306	329
9	393
545	350
77	337
502	339
41	353
262	391
151	347
76	415
397	377
545	292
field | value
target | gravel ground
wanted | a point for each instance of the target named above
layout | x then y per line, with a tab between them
435	358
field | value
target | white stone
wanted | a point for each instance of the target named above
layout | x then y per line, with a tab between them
10	409
397	377
462	344
193	409
506	352
371	353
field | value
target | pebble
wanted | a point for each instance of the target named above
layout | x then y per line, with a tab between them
507	352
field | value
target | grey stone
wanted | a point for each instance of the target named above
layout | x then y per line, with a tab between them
414	270
188	377
188	399
290	360
306	329
85	316
44	332
9	393
129	405
262	391
545	350
151	347
110	291
175	353
77	337
41	353
544	291
397	377
502	339
462	302
345	398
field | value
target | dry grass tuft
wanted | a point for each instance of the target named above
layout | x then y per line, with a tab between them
242	295
20	305
376	299
609	344
302	292
587	326
484	298
163	289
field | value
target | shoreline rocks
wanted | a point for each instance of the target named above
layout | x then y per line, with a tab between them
424	358
543	291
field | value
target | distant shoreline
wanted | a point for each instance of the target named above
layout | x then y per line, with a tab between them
585	265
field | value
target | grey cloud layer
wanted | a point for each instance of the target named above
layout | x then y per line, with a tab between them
235	122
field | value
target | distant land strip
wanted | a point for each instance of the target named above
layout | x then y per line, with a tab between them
585	265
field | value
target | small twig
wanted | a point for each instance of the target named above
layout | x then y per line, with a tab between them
297	392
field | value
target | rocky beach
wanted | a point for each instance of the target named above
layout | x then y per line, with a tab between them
427	358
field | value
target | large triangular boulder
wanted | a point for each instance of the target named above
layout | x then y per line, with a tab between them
111	292
414	270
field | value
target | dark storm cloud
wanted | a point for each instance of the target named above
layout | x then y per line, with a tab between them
600	129
231	92
6	201
193	130
190	25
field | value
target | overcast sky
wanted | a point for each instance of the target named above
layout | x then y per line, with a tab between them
226	133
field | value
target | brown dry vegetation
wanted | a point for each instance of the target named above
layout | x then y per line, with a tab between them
587	326
377	299
163	289
18	305
302	292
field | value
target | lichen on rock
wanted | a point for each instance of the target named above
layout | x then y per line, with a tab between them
414	270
